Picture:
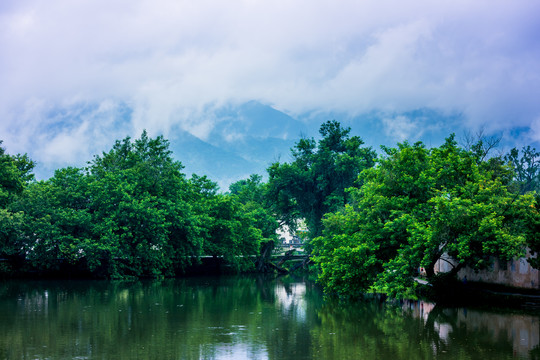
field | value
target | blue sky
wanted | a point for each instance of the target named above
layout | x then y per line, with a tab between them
76	75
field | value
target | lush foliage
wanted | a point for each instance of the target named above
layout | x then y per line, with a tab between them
251	193
314	183
131	213
15	173
527	168
419	206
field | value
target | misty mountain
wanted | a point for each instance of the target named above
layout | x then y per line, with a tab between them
246	139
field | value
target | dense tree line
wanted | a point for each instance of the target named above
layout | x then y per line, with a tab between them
373	220
130	213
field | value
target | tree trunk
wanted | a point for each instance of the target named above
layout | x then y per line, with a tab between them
263	259
430	270
302	264
286	257
278	268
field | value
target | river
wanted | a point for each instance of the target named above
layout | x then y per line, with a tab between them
244	317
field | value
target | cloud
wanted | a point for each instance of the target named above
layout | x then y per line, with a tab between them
401	128
66	135
534	133
174	62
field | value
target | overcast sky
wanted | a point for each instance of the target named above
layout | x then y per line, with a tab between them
173	61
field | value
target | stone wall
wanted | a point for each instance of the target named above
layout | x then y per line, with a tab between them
517	273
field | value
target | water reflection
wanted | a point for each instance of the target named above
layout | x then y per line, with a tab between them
243	318
521	332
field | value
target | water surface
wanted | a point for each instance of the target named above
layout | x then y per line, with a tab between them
243	318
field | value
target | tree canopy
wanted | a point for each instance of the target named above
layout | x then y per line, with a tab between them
526	165
417	205
130	213
314	183
15	174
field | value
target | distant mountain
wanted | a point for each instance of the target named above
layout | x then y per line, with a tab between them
245	140
202	158
257	132
256	120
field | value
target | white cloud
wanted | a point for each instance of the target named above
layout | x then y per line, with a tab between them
66	146
534	134
175	61
401	128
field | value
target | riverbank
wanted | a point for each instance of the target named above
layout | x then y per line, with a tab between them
455	293
446	292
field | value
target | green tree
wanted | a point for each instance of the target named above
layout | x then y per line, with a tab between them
10	239
248	190
415	207
127	214
231	229
251	193
15	175
140	209
531	217
526	166
314	183
57	222
130	213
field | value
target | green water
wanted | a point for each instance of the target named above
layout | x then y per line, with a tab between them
243	318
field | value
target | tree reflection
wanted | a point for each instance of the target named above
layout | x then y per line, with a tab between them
242	317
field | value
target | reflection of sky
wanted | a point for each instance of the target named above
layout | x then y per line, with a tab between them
292	300
421	309
235	352
35	303
521	330
133	321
